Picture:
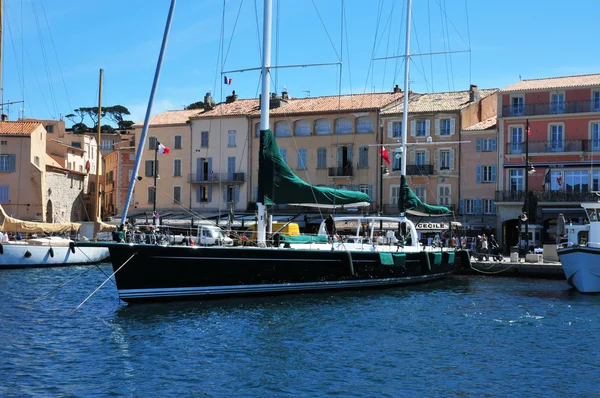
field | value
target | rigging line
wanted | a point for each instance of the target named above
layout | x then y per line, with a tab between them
277	24
449	54
469	37
418	49
46	64
443	10
237	18
257	31
56	54
374	48
326	31
399	65
387	47
445	47
430	43
20	71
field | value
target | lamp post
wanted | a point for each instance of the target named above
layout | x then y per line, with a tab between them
529	169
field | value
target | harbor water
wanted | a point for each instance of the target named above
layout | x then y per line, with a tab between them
463	336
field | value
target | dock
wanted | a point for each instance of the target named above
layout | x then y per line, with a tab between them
542	270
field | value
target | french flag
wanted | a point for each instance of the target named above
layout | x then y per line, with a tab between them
227	80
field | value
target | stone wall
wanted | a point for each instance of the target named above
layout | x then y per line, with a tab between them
64	194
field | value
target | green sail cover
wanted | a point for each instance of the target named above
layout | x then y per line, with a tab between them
409	202
277	184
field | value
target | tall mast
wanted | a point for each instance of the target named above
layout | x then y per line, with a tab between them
140	148
264	113
404	154
1	49
98	213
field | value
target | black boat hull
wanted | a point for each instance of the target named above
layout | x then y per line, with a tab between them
155	273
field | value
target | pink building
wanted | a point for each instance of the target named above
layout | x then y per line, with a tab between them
563	146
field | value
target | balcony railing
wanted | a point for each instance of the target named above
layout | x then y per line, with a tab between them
546	196
341	171
215	178
551	108
564	146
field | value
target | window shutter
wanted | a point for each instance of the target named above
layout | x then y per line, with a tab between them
349	154
436	159
479	174
225	194
12	162
479	143
198	169
493	207
197	194
413	128
412	156
390	129
427	128
371	191
148	171
210	169
452	159
210	194
462	206
479	206
157	169
427	157
340	157
236	193
437	126
493	173
452	126
493	144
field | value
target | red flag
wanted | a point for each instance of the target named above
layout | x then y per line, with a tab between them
384	154
559	181
528	128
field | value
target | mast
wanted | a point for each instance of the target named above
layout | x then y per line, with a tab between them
264	113
140	148
97	211
405	112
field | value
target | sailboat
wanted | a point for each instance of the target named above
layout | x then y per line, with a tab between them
303	264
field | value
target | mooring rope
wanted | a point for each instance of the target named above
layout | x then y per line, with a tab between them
103	283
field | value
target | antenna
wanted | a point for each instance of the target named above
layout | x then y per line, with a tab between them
307	93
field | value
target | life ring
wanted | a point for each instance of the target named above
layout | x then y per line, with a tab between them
51	252
72	247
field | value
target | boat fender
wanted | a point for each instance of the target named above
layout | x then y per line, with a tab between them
72	247
27	254
1	249
51	251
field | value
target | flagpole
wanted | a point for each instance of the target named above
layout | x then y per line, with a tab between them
155	174
527	187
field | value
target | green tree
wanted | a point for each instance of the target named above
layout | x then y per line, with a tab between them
195	105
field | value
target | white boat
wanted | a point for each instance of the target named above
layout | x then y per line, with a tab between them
45	251
579	253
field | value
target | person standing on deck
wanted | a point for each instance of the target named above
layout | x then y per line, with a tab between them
330	228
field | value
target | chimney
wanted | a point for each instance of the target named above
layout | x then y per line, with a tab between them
231	98
208	101
4	117
397	90
284	93
474	94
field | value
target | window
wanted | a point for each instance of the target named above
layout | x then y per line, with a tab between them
151	192
7	163
282	129
321	158
595	180
394	194
36	161
150	168
421	128
203	194
515	182
364	124
322	126
302	127
301	159
446	126
3	193
469	206
420	158
445	160
283	153
444	194
556	182
3	142
231	138
363	157
152	143
595	136
343	125
50	129
557	103
177	168
576	181
396	162
420	191
516	140
176	194
76	144
556	143
489	207
366	189
104	144
486	144
488	173
396	130
204	139
517	106
177	143
596	101
230	194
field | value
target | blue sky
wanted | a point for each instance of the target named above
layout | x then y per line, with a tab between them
53	49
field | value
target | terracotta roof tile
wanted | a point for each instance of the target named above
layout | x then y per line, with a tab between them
488	124
240	107
437	102
554	82
18	128
170	118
